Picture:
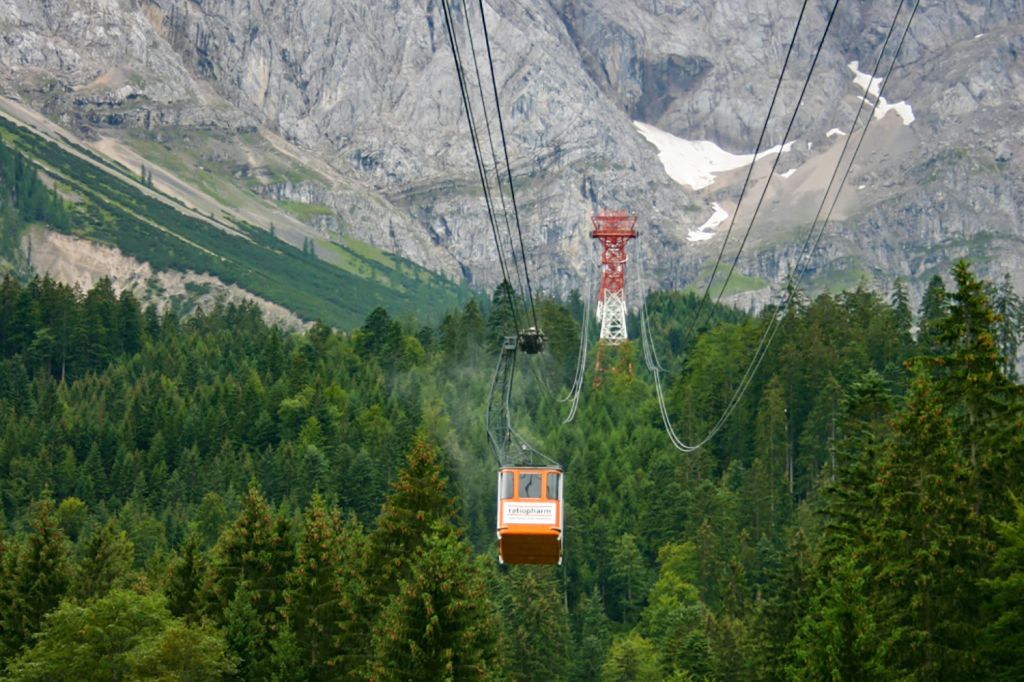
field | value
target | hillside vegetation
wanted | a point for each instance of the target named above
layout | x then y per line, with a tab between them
108	209
250	504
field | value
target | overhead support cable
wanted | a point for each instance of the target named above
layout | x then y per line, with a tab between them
494	158
778	157
464	92
807	251
508	165
641	275
508	446
750	169
773	326
581	361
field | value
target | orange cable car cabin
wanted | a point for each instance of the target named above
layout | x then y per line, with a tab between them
530	515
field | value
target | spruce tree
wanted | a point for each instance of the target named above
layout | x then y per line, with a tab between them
849	504
440	624
325	591
1002	646
986	408
501	319
247	636
903	317
1009	310
187	576
933	309
106	563
592	638
631	658
924	554
837	638
40	579
536	624
786	599
674	620
418	499
251	561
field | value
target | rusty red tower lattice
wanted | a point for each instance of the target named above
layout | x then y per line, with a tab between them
613	229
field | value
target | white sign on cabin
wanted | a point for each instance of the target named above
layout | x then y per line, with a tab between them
539	513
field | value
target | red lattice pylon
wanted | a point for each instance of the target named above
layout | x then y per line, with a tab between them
613	229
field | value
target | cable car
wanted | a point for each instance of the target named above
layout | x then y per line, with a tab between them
530	515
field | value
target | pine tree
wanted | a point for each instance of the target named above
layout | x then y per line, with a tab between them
322	603
187	576
1002	646
440	624
924	553
41	577
933	309
107	560
536	624
418	499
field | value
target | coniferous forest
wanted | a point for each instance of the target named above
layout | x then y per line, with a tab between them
211	498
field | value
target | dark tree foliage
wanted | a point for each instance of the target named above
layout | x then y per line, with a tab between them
185	582
24	199
322	602
933	309
419	498
854	519
536	624
506	308
106	562
39	576
440	624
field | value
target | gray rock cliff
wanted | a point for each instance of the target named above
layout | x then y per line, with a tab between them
369	89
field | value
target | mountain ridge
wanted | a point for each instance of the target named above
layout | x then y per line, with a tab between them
369	91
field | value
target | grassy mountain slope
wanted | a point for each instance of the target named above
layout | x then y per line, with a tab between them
142	223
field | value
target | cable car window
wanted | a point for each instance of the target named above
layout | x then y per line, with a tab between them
529	485
553	486
508	484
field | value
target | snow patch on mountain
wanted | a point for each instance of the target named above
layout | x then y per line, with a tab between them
707	230
871	86
694	164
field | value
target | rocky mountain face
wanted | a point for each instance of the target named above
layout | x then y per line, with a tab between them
366	91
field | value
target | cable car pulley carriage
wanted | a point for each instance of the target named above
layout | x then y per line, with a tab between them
530	485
